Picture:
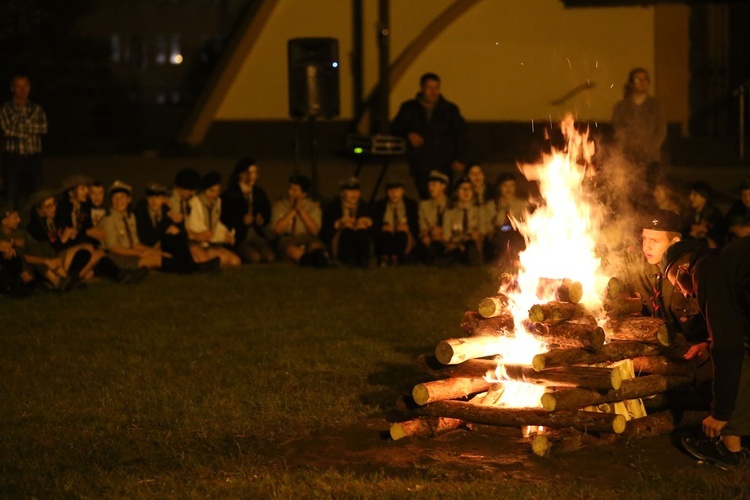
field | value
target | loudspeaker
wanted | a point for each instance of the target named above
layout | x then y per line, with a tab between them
313	77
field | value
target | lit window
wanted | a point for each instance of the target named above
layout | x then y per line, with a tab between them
116	47
175	54
160	56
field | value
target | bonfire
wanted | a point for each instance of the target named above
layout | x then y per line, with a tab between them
561	351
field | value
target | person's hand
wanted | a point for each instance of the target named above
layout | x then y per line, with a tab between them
6	248
415	139
96	233
54	264
259	220
403	227
364	223
436	233
69	233
229	240
458	166
712	427
346	222
247	219
166	255
173	230
698	352
388	227
175	216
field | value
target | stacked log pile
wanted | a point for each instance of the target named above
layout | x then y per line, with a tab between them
592	389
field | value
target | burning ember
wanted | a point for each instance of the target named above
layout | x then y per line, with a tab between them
534	355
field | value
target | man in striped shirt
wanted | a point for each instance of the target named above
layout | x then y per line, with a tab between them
23	123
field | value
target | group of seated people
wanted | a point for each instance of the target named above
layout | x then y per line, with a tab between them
85	229
701	219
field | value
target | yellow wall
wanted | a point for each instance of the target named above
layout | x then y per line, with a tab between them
672	61
504	60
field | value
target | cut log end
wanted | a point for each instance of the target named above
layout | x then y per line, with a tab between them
421	394
618	424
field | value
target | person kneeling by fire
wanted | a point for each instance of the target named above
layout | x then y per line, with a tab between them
720	279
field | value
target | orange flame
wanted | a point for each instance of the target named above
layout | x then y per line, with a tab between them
561	237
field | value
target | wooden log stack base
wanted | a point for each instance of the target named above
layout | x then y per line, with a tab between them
454	351
556	442
520	417
568	335
474	324
423	427
449	388
555	312
570	399
614	351
647	330
494	306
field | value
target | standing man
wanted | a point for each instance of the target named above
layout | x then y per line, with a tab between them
640	125
435	132
23	123
720	279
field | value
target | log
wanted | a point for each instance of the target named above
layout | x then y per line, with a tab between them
555	312
647	330
614	351
454	351
567	335
558	441
423	427
520	417
491	397
615	289
491	307
623	306
569	399
474	324
664	422
662	365
569	291
449	388
571	376
469	368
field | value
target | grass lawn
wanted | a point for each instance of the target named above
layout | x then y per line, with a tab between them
191	386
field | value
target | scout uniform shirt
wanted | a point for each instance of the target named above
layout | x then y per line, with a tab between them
431	215
120	230
203	218
296	226
460	222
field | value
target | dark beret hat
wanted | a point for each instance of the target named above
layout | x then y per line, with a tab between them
663	220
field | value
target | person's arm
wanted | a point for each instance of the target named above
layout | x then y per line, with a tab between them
311	219
8	122
194	224
282	218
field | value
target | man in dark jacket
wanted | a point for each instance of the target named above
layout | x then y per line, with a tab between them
435	132
721	281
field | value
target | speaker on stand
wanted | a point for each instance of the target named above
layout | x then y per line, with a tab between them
313	89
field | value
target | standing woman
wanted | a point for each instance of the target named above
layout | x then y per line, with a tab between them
247	210
204	222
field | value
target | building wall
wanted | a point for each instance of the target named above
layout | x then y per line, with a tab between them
501	61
